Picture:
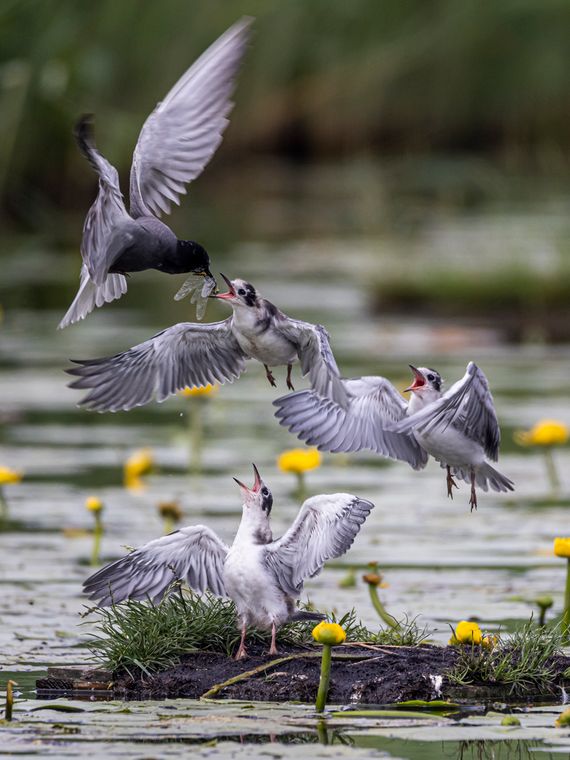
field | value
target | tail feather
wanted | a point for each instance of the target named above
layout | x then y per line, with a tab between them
485	476
91	295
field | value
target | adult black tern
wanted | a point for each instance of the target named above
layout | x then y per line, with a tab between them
191	354
459	428
176	142
264	577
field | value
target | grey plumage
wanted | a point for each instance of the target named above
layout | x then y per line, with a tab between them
190	354
372	403
176	142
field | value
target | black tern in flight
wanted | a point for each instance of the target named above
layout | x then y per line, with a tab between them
191	354
176	142
459	428
264	577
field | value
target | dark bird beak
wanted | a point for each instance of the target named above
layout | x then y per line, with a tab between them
231	292
419	380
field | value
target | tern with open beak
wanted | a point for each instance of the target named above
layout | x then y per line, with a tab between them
459	428
176	142
264	577
191	354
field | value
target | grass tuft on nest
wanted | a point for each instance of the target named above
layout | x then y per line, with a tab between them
523	662
144	636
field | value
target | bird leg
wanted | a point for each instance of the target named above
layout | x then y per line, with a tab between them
269	375
289	381
273	648
451	484
241	652
473	499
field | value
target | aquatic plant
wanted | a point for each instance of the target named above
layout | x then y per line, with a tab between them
329	635
544	603
374	581
545	435
195	399
521	662
139	463
298	462
563	720
562	549
141	635
171	514
7	477
94	505
466	632
9	705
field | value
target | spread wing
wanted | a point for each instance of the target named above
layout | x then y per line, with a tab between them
183	132
468	406
108	228
316	357
324	529
186	354
373	402
194	554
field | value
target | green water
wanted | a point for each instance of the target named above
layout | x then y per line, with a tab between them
315	253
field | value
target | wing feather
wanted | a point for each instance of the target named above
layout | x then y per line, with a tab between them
186	354
194	554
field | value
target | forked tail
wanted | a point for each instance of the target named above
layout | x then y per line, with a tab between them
90	295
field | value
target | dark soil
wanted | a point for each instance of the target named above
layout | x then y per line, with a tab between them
372	675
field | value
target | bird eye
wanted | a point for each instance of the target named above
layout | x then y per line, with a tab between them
264	491
431	377
241	291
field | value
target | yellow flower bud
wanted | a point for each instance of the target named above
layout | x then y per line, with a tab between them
329	633
93	504
562	547
544	433
170	510
8	476
563	720
489	641
205	390
467	632
299	460
373	579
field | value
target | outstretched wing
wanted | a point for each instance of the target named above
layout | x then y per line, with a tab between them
316	357
108	227
468	406
183	132
194	554
186	354
373	402
324	529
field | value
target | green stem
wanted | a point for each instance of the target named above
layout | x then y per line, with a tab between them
380	609
324	679
195	435
97	535
3	506
301	492
542	617
566	614
9	699
168	525
553	478
322	732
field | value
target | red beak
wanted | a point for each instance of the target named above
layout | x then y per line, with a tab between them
419	380
231	292
256	485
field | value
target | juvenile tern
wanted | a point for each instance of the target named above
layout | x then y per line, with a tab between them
191	354
459	428
176	142
264	577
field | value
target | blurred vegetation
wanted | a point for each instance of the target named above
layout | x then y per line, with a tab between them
323	78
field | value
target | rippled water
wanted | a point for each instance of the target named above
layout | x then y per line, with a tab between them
441	562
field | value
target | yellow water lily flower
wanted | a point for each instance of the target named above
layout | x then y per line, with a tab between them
329	633
139	463
544	433
9	476
299	460
562	547
563	720
204	390
93	504
467	632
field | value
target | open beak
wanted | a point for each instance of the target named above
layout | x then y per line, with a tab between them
419	380
231	294
256	484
